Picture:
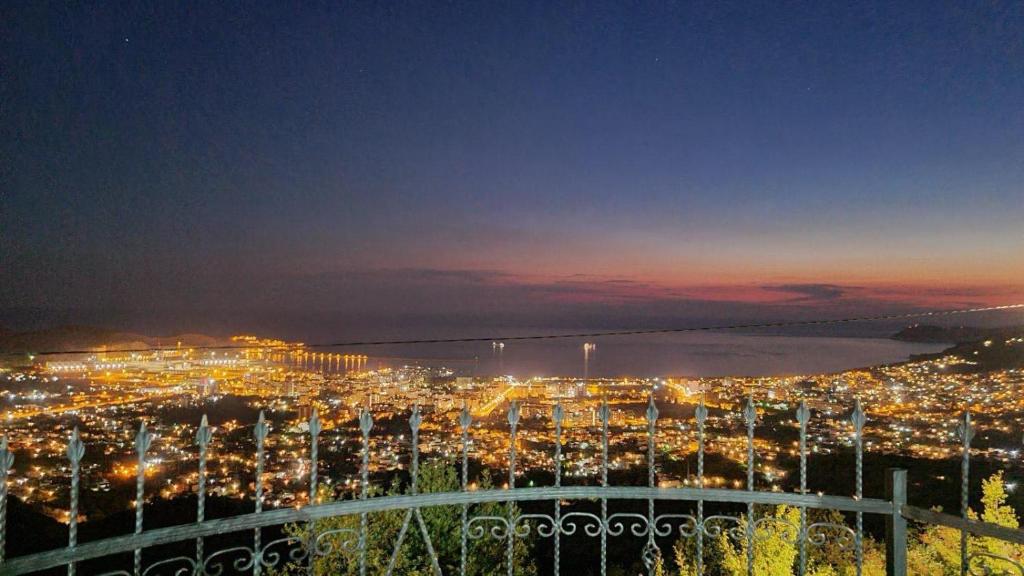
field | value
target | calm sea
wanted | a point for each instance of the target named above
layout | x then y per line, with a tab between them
688	354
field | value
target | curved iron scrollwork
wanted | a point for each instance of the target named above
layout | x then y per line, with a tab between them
688	526
327	541
189	566
297	550
843	536
477	528
618	522
981	564
716	525
650	554
245	560
591	524
499	527
542	523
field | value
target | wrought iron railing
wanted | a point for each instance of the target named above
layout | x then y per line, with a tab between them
303	548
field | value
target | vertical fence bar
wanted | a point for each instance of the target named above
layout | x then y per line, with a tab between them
365	425
143	440
415	421
605	415
557	416
858	419
315	427
260	432
76	449
750	415
966	433
651	552
203	436
896	524
513	423
701	415
465	421
803	415
6	462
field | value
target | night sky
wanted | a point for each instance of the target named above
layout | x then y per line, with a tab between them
177	166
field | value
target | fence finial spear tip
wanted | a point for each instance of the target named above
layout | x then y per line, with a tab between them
204	433
76	449
749	411
965	429
803	413
314	424
513	413
143	439
365	421
6	456
261	429
701	413
652	409
558	413
857	417
415	419
465	418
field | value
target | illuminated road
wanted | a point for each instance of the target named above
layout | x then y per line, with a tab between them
63	408
485	410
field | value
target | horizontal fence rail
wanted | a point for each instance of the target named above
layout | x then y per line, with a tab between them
746	528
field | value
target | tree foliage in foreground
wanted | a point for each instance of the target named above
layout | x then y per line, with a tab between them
932	551
935	550
485	556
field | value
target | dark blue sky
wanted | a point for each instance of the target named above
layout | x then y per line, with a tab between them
605	161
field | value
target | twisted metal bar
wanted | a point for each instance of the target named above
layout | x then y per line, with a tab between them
465	421
143	440
750	414
6	462
966	432
803	416
513	423
605	414
858	419
701	415
203	436
651	551
415	420
260	431
365	425
75	452
556	416
315	427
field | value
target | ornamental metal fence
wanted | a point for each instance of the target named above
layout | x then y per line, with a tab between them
302	548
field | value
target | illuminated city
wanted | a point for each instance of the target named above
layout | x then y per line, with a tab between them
106	394
530	288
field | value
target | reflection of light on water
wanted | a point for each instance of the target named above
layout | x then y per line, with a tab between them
705	354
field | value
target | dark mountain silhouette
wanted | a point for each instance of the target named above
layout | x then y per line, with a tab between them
67	338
